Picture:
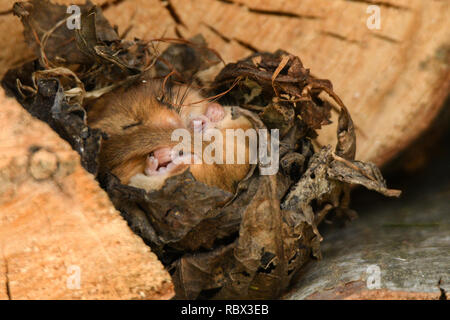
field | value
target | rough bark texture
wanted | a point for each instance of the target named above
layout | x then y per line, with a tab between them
56	221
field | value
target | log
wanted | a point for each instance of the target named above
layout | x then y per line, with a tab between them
60	236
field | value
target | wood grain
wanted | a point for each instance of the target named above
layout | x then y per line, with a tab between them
393	80
55	220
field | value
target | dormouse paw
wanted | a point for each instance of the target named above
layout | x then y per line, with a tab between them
215	112
159	162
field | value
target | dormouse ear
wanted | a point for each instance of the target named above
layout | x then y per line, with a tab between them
214	112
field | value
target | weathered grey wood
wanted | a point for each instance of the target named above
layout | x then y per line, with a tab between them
407	239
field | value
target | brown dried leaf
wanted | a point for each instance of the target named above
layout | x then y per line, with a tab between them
346	137
313	115
362	173
40	16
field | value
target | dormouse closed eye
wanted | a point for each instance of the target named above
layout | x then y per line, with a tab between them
128	126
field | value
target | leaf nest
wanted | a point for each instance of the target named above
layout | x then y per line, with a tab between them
215	244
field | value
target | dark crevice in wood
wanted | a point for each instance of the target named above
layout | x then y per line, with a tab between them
178	32
247	45
217	33
126	31
173	13
340	37
228	2
108	4
6	12
277	13
283	14
385	38
7	287
382	4
228	39
443	295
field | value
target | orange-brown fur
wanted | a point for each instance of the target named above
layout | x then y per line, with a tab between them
137	123
224	176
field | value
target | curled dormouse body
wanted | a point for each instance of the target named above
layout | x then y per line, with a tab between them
139	127
211	116
139	149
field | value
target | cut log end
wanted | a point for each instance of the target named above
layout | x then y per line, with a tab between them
60	236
